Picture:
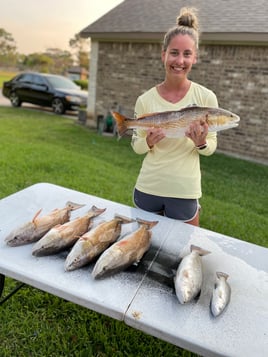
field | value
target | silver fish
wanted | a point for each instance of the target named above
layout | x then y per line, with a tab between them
64	236
176	123
32	231
94	242
125	252
221	294
189	275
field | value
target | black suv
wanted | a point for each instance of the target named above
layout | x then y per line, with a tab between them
46	90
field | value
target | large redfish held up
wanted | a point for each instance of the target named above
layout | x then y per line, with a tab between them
175	123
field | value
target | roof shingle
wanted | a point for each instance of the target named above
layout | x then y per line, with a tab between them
157	16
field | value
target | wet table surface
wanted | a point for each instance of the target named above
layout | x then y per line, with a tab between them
143	296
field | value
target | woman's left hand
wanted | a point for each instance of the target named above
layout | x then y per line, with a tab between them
197	132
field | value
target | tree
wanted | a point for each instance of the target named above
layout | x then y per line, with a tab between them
38	61
8	48
53	60
62	60
82	50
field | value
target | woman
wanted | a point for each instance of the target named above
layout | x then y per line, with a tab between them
169	181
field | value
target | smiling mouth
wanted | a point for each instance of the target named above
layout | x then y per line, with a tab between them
177	69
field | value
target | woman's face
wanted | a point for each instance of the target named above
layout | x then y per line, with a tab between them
179	56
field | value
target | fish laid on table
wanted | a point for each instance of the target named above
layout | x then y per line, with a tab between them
125	252
94	242
189	275
176	123
65	235
221	294
32	231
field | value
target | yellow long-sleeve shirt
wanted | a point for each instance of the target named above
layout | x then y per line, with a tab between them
172	167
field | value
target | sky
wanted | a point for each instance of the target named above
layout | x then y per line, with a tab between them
37	25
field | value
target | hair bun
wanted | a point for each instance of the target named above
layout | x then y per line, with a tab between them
188	18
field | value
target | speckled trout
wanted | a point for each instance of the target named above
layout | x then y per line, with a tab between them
221	294
65	235
176	123
94	242
189	275
126	251
32	231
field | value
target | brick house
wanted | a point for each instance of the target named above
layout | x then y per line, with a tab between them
233	62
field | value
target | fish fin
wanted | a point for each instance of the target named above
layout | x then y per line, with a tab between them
59	227
148	115
90	225
148	224
36	215
185	273
120	122
220	274
124	219
73	206
199	250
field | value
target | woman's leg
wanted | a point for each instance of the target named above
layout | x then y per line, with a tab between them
194	221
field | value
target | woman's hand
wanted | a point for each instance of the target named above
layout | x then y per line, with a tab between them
154	136
197	132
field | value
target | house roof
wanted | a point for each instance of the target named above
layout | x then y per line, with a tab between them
78	70
220	20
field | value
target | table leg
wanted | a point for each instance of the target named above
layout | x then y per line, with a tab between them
2	284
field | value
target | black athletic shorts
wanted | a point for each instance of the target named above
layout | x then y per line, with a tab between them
177	208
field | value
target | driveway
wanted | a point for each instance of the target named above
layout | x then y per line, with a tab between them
3	100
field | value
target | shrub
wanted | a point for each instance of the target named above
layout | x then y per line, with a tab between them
83	83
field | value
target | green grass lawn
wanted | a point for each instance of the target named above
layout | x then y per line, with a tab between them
40	147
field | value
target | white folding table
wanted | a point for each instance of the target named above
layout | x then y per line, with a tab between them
143	296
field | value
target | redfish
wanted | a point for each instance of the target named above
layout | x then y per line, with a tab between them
94	242
64	236
126	251
32	231
189	275
176	123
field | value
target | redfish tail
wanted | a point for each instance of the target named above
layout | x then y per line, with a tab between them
95	211
147	224
73	206
121	123
124	219
199	250
220	274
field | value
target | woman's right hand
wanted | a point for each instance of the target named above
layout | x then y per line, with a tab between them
154	135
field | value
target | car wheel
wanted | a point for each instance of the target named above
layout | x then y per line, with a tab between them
58	106
15	100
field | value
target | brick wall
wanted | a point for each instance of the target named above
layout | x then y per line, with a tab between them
237	74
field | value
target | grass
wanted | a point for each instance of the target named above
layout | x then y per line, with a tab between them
6	76
39	147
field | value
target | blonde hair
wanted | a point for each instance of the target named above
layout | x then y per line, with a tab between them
187	24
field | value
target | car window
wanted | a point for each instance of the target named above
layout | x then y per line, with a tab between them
38	80
25	78
61	82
